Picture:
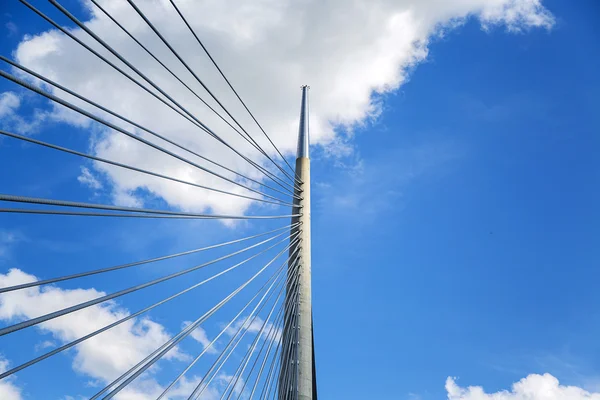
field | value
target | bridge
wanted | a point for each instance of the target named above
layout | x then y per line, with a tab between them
267	343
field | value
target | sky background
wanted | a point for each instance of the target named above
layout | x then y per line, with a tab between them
455	219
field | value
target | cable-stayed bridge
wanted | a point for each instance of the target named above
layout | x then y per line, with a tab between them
266	344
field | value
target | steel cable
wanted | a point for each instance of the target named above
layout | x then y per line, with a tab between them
129	134
77	204
77	307
231	86
139	369
249	138
239	335
265	298
119	116
197	122
103	160
132	264
116	323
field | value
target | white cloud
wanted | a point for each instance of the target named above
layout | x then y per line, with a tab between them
44	345
8	239
10	119
88	179
186	386
11	28
199	335
533	387
8	390
411	162
224	380
517	15
349	52
103	357
9	102
254	327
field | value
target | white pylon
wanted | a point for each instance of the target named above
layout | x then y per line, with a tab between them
296	377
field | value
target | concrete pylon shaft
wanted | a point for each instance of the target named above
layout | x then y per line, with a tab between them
296	377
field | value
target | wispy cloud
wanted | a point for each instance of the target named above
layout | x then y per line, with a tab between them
11	28
200	336
9	239
44	345
88	179
512	107
371	187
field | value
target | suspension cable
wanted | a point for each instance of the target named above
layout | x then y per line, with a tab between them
288	349
296	178
116	323
126	215
140	44
123	131
250	352
77	307
64	203
270	375
246	355
122	118
197	122
265	298
267	338
249	138
132	264
103	160
179	337
271	340
239	335
285	344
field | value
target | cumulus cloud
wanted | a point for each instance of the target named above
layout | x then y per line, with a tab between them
103	357
533	387
8	390
349	52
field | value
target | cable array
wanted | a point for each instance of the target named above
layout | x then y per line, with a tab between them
255	347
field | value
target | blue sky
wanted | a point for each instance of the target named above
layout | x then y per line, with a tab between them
457	238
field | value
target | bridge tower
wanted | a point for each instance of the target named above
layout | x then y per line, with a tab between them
297	367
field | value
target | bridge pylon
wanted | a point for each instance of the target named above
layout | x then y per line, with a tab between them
296	381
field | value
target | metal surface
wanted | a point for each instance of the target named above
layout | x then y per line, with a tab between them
303	130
